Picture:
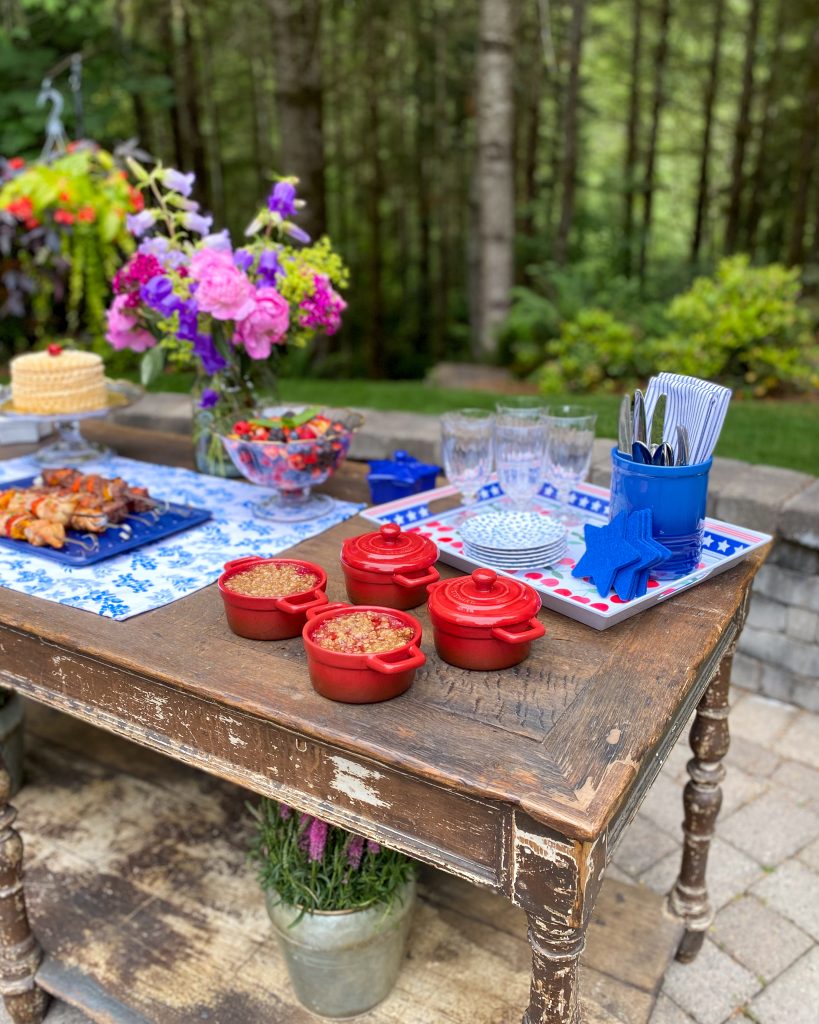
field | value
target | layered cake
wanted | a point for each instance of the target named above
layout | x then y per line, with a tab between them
58	380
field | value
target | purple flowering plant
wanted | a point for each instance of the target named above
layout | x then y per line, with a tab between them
191	297
319	867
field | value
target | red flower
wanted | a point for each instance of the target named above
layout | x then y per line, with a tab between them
64	217
136	198
22	208
87	214
72	145
16	162
65	196
32	222
54	349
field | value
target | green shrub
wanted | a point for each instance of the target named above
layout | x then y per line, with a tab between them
745	327
594	352
532	322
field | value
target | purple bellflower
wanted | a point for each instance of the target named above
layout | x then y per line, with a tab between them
139	223
282	199
209	398
176	181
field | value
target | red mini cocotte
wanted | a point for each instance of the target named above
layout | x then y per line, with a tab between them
484	621
389	568
361	678
270	618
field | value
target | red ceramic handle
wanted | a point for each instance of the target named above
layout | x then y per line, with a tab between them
534	630
320	609
431	576
248	560
414	659
310	600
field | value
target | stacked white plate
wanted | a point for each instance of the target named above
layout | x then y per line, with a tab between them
513	540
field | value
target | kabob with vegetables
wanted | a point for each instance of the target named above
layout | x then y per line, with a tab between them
67	499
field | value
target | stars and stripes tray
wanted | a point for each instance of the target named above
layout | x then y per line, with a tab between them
723	546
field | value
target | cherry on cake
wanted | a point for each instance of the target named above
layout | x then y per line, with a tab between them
58	380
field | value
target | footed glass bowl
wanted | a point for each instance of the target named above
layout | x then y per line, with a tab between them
294	468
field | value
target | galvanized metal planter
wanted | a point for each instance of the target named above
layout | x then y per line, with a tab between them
342	963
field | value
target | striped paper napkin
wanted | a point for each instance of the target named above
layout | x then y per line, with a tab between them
698	405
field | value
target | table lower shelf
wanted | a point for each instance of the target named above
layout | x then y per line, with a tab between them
141	894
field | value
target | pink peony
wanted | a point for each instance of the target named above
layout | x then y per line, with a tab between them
224	291
265	326
123	330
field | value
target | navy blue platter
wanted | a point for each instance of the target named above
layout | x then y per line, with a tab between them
88	548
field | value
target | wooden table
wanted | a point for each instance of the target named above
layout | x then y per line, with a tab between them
523	780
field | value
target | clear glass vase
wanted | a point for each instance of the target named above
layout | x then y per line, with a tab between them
209	454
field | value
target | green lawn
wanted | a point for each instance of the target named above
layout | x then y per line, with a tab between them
771	432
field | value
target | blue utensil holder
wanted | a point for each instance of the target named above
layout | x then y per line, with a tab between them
677	497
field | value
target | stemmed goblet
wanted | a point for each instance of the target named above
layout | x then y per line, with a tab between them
569	452
467	449
521	434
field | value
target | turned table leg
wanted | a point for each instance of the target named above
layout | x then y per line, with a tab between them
555	882
20	954
702	800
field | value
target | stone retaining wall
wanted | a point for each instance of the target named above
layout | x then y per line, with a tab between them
779	650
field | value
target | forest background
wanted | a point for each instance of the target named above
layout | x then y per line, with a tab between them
491	170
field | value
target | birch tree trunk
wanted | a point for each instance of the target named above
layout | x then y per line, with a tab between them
704	187
742	131
571	130
299	101
495	182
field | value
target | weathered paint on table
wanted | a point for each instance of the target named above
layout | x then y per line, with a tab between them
522	780
148	909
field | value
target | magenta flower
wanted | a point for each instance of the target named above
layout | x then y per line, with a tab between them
355	851
318	839
285	810
224	291
322	310
123	329
265	325
373	847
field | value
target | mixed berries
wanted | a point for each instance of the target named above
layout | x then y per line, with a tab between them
306	426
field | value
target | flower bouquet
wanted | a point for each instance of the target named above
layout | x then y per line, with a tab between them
189	297
62	236
341	907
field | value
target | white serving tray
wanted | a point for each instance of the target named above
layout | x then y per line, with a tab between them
723	546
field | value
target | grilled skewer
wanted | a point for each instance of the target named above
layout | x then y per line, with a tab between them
38	532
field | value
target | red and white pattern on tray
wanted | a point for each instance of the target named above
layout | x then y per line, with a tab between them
723	544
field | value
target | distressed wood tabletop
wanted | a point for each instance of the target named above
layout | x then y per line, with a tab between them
495	776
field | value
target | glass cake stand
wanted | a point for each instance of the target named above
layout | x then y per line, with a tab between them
70	446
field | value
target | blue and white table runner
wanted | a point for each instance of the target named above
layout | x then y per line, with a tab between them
167	570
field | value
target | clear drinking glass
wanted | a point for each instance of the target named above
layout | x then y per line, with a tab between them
569	452
522	405
467	449
520	453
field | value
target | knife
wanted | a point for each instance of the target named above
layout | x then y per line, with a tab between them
655	433
625	426
640	451
683	453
